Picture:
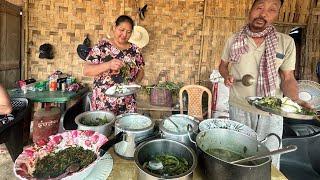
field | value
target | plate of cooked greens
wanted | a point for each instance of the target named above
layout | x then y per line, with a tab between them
122	90
283	107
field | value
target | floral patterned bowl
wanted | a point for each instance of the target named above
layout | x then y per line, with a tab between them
24	165
227	124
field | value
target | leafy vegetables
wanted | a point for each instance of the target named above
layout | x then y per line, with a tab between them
94	122
55	164
172	165
283	104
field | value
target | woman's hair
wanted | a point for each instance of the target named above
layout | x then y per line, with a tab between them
124	18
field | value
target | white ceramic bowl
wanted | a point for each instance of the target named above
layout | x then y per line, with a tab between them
105	129
226	124
24	165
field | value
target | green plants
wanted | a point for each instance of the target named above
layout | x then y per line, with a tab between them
168	85
161	93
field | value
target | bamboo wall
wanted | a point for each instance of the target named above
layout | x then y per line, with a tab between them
312	55
186	36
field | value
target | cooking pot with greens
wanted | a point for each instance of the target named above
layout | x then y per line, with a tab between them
137	128
178	129
219	147
99	121
165	159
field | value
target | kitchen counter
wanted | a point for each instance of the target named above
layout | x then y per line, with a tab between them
127	170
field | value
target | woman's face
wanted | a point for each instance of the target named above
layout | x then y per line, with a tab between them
122	32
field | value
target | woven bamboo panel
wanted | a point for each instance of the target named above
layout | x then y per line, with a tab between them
174	40
186	37
64	24
174	28
16	2
313	45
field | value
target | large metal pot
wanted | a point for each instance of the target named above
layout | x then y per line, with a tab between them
147	150
169	131
105	129
136	127
227	124
216	168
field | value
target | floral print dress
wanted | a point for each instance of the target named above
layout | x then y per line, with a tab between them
132	57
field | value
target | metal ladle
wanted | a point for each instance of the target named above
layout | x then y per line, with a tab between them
247	80
155	165
173	123
287	149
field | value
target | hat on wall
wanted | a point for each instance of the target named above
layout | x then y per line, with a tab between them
139	37
46	51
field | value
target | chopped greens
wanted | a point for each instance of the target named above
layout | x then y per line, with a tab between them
271	102
284	104
94	122
172	165
55	164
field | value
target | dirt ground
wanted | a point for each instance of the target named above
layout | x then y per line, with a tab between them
6	164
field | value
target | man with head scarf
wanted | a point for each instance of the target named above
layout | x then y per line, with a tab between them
269	56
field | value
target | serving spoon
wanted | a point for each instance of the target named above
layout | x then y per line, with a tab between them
247	80
287	149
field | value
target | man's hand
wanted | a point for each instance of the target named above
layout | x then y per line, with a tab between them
304	104
228	81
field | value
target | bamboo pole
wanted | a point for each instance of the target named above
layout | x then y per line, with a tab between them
26	37
202	40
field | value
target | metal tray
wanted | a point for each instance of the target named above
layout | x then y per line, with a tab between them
131	90
251	101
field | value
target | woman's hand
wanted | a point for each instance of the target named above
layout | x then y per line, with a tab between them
228	81
114	66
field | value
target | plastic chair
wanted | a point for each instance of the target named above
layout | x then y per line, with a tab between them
13	133
195	93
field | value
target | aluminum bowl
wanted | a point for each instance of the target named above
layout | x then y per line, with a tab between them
24	165
105	129
149	149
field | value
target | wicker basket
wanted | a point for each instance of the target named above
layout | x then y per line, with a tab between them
160	96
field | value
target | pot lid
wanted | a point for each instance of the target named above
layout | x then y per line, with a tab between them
133	121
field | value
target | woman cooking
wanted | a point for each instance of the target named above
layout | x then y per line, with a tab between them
112	62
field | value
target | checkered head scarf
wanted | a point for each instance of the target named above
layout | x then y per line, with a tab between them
266	84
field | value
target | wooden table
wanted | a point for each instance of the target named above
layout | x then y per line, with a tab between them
127	170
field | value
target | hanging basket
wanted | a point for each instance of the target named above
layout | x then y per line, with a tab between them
160	96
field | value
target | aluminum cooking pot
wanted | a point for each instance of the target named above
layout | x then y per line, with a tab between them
105	129
148	150
216	168
137	128
180	134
